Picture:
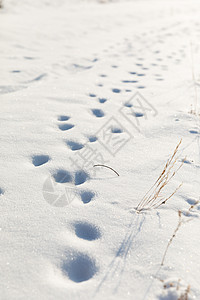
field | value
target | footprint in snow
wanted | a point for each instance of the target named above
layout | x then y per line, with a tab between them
128	104
92	138
15	71
141	87
194	132
87	196
65	127
59	189
79	267
116	130
138	114
64	176
80	177
191	201
103	75
102	100
98	112
39	160
86	231
117	91
74	146
129	81
63	118
92	95
141	74
1	191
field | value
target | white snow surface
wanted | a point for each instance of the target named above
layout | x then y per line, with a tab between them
68	71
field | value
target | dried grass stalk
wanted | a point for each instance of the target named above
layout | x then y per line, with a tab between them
180	222
173	236
153	198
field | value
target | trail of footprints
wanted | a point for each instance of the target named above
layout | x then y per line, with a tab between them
81	267
160	59
63	176
78	266
154	68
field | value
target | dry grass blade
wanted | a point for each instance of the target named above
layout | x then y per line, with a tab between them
184	296
153	198
180	222
173	236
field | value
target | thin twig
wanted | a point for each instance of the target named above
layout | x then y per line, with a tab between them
108	168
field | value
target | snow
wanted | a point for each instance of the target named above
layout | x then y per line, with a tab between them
84	83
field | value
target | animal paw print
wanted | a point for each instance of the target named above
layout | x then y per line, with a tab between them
86	231
78	266
102	100
39	160
74	146
64	126
61	188
87	196
92	138
63	118
98	113
194	131
63	176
